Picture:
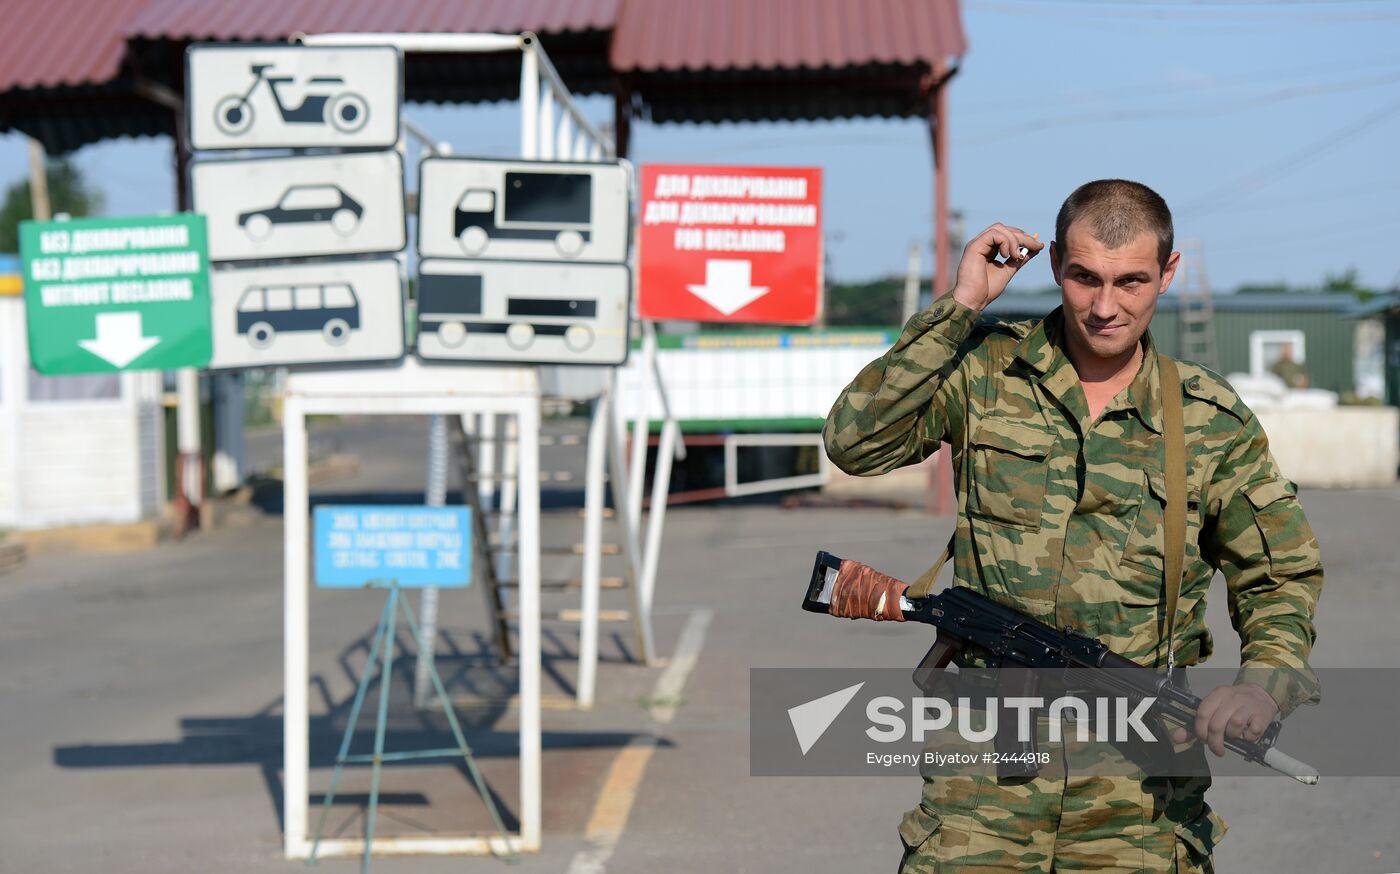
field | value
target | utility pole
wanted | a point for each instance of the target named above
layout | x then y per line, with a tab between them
189	460
39	182
957	238
911	283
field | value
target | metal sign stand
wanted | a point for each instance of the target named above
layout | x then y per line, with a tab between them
408	389
642	549
384	636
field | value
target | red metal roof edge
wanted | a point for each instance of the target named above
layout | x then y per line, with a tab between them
65	43
682	35
277	19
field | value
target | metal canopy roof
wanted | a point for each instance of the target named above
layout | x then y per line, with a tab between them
784	34
108	68
725	60
77	71
574	32
60	73
64	42
274	19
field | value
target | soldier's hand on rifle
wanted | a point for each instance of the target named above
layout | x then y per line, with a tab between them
981	277
1237	711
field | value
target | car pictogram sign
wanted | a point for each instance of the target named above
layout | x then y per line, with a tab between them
302	206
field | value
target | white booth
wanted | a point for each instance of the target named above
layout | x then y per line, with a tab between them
74	450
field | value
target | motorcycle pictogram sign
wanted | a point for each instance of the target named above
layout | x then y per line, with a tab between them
321	103
282	96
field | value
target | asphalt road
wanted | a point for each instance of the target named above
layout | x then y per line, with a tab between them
141	726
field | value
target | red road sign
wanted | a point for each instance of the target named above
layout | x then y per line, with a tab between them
730	244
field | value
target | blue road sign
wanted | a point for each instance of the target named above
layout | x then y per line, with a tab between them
415	546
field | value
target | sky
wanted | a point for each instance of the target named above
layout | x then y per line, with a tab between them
1271	129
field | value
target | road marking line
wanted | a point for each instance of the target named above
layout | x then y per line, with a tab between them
667	694
614	805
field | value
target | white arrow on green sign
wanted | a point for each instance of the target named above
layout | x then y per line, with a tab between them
117	294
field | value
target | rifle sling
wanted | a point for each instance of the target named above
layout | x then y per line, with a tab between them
1174	540
1175	534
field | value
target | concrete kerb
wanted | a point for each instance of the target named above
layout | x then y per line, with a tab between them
230	510
110	538
12	554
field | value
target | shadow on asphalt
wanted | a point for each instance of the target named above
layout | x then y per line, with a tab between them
256	738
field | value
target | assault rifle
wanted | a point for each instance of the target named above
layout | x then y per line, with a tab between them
1013	640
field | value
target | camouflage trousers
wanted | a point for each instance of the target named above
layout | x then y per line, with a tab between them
1063	819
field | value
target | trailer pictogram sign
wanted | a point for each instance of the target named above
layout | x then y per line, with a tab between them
520	312
730	244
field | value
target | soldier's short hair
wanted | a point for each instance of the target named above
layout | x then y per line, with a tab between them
1116	211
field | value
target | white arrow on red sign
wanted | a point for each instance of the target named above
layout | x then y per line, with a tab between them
728	285
119	340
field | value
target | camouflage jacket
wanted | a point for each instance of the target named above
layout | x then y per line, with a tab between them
1062	518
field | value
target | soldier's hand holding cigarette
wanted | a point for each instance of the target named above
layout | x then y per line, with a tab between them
982	277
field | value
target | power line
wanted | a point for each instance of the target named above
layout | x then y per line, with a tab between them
1178	4
1160	112
1278	240
1258	77
1218	14
1349	191
1289	162
1213	10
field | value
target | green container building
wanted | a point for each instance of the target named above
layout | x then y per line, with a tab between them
1245	325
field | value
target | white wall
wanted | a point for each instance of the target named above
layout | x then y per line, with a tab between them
1344	447
11	396
729	381
73	462
79	464
150	443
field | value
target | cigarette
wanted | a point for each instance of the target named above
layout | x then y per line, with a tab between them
1023	252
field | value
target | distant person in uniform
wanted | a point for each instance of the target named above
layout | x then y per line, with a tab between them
1293	374
1058	438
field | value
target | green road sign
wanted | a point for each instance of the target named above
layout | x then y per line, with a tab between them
116	294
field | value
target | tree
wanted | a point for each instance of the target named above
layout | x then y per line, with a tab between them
1264	288
862	304
1347	282
68	192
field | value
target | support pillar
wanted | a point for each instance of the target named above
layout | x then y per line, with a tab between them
941	501
189	463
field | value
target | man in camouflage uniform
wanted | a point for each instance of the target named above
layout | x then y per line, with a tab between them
1057	433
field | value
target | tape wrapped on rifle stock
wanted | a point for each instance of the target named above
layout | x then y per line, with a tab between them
861	592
